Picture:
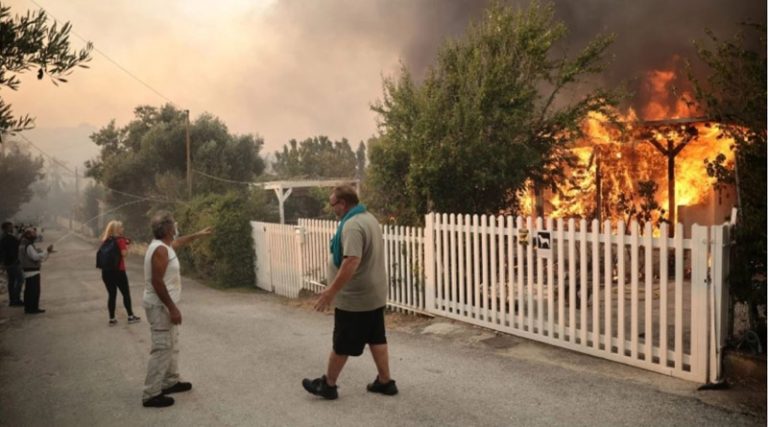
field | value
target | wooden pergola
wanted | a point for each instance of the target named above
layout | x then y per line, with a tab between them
659	134
283	189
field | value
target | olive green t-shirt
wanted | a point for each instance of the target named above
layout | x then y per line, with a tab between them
367	290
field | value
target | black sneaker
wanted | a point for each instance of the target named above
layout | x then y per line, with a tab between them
159	401
112	322
389	389
133	319
179	387
319	387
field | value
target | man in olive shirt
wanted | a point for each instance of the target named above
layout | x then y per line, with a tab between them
358	287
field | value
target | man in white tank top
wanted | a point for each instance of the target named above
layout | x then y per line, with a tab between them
162	291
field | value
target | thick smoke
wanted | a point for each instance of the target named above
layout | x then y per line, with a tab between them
300	68
650	34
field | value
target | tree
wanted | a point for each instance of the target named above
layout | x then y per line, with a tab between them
88	211
360	161
316	157
734	95
494	111
387	181
52	195
18	170
147	158
313	158
28	42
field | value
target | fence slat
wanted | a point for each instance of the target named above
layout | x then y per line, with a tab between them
492	281
648	329
476	266
509	301
584	285
572	283
529	275
621	324
634	245
559	239
453	249
679	350
608	286
550	283
460	247
663	289
520	279
442	290
484	265
596	284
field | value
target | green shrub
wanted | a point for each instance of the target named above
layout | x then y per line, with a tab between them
227	258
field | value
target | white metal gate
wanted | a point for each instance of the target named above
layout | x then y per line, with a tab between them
278	258
631	297
261	265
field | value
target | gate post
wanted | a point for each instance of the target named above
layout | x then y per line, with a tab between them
699	302
298	282
255	253
429	262
720	299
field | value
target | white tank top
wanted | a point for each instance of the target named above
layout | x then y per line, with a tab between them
172	277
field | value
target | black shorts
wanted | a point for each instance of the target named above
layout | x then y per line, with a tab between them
352	330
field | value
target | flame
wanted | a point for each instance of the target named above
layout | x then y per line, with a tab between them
626	160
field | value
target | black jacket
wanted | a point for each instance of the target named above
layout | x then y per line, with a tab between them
9	249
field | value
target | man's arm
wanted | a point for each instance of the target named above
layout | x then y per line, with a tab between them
185	240
346	271
159	265
34	255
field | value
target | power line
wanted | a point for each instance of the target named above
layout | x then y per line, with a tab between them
144	84
102	53
75	174
231	181
54	159
108	57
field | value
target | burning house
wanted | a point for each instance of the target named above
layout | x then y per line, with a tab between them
652	166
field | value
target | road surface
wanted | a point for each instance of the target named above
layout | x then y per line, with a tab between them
246	353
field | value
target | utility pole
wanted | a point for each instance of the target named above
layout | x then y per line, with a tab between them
189	161
2	144
598	189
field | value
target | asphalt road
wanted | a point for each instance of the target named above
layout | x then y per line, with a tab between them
246	352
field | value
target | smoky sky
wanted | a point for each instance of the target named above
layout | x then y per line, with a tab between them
649	34
294	69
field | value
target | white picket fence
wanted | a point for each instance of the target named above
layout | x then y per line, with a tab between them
625	295
404	259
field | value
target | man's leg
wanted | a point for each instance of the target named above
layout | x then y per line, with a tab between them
161	352
19	281
172	373
15	280
32	294
335	365
380	354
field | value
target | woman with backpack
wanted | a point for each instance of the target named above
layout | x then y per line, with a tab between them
111	259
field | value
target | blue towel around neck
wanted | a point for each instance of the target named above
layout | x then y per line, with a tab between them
336	249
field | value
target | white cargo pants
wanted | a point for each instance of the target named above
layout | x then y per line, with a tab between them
163	367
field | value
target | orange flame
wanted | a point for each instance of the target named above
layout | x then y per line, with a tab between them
625	162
